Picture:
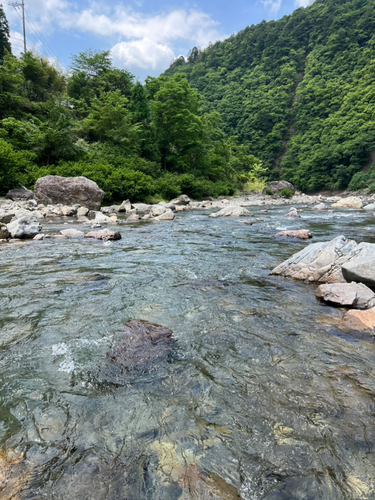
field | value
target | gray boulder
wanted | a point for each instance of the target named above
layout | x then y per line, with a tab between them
25	227
319	262
20	195
361	266
142	208
277	186
167	215
6	216
231	211
157	210
125	206
54	189
355	295
82	212
183	199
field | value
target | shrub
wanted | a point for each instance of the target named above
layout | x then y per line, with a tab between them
286	193
269	191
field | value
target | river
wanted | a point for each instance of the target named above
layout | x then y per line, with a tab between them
262	396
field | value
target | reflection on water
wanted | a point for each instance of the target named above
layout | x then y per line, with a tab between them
261	396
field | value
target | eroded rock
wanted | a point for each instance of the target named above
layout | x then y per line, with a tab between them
54	189
302	234
355	295
231	211
25	227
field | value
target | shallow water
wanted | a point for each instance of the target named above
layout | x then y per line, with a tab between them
261	397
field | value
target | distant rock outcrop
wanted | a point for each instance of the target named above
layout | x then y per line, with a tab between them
277	186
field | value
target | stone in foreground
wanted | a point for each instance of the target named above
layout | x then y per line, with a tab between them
350	202
361	267
104	234
302	234
141	343
278	186
25	227
20	195
54	189
319	262
360	320
355	295
231	212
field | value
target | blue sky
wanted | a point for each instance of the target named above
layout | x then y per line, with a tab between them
143	36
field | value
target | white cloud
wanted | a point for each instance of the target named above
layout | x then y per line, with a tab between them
16	42
144	54
303	3
273	6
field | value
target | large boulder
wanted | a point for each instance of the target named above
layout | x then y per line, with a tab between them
319	262
20	195
157	210
277	186
25	227
183	199
361	266
167	215
355	295
350	202
54	189
231	211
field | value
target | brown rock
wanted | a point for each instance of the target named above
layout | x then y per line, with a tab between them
141	343
356	295
104	234
302	234
360	320
54	189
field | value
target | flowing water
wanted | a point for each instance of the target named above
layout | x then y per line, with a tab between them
262	395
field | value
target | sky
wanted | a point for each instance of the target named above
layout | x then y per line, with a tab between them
144	36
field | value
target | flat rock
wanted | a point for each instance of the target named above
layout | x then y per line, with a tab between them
360	320
320	262
25	227
350	202
20	195
361	266
141	343
39	236
104	234
355	295
54	189
142	208
302	234
72	232
371	206
231	211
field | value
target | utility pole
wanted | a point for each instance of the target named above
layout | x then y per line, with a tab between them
15	5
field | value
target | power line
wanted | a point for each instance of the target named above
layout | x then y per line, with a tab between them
42	39
15	5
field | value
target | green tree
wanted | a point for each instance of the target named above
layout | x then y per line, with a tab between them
4	35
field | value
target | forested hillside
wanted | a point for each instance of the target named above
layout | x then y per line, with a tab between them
143	142
300	92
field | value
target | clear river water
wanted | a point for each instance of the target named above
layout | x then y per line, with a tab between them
262	395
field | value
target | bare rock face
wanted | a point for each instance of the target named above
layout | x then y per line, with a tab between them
141	344
20	195
104	234
54	189
361	267
231	212
360	320
278	186
183	199
302	234
355	295
25	227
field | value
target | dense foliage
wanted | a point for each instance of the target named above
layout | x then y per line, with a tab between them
137	142
300	91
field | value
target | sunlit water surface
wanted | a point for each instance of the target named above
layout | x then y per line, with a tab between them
262	395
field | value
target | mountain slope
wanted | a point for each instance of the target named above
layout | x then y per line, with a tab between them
299	91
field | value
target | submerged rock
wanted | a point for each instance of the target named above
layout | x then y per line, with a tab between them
69	191
356	295
302	234
25	227
104	234
231	212
360	320
141	343
71	233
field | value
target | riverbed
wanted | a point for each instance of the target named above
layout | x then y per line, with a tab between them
263	395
